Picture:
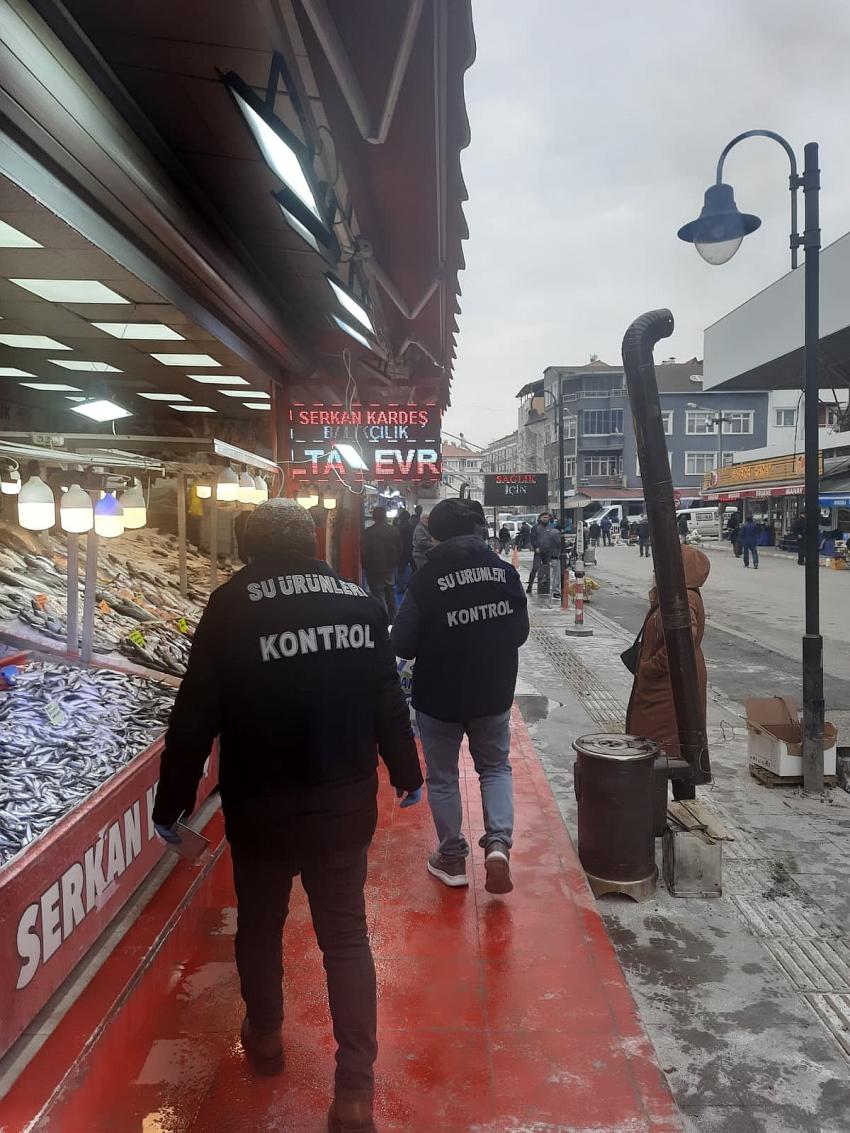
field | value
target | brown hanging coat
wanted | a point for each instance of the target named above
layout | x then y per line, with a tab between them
651	712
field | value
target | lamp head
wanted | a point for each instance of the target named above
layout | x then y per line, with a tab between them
719	229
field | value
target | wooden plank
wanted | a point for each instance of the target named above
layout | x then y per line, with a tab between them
768	779
714	827
684	817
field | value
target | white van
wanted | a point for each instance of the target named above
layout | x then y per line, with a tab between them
704	520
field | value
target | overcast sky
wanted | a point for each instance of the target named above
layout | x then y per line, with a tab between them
596	129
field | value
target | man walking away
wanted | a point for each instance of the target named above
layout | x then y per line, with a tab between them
380	553
504	540
291	667
798	530
749	537
464	618
643	538
732	525
422	542
523	539
605	527
684	527
595	533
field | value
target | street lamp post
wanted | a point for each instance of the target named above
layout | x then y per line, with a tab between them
717	234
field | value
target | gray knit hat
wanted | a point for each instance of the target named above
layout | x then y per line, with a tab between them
277	526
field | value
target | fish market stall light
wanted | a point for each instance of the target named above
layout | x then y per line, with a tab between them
227	487
133	505
261	490
353	306
247	490
329	503
108	517
203	491
350	330
307	500
101	410
10	485
76	514
36	505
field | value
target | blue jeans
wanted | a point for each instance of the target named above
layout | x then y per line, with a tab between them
489	745
751	549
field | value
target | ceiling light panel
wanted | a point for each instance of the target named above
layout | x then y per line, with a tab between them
218	379
257	405
192	408
164	396
32	342
185	359
11	238
136	331
71	290
355	334
85	367
255	393
352	305
101	410
12	372
58	387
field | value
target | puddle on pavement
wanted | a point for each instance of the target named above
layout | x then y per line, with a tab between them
535	707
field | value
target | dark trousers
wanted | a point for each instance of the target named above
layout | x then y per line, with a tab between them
334	885
606	538
644	548
751	549
801	550
383	589
535	567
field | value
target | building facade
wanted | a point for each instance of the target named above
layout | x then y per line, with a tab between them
501	455
462	472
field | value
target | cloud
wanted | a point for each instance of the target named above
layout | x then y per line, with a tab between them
595	131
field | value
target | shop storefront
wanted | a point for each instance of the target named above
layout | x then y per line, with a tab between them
770	491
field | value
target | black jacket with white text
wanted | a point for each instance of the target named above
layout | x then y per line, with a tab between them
464	617
291	667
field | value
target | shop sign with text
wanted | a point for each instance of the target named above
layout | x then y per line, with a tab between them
516	489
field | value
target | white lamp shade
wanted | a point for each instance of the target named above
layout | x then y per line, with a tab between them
308	501
134	507
108	517
12	486
247	490
203	491
262	490
36	505
330	503
227	488
76	514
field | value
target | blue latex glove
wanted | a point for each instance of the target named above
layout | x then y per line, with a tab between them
409	798
168	834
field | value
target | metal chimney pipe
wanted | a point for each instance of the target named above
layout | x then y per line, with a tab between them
638	344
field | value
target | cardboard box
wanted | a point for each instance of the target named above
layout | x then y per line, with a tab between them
776	737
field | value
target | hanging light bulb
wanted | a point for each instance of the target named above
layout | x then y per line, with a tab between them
108	517
329	502
203	491
76	513
36	505
227	486
308	498
134	507
247	491
10	484
262	490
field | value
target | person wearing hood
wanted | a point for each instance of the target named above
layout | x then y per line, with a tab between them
291	668
651	711
463	619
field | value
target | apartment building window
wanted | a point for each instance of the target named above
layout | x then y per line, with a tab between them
698	423
698	463
738	421
601	422
785	418
569	426
832	417
601	386
602	466
570	469
667	418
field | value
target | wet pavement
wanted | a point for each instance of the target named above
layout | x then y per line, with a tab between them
496	1015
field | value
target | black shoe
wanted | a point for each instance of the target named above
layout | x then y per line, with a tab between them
264	1052
497	866
451	871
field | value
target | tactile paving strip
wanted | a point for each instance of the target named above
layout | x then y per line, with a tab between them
834	1012
814	965
601	705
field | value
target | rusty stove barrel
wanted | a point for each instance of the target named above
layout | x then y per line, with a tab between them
615	778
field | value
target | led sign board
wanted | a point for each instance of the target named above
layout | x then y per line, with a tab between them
516	489
396	442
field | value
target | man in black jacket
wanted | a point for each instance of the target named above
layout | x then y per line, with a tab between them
291	667
381	548
464	618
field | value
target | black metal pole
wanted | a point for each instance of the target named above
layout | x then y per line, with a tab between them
813	706
561	466
657	478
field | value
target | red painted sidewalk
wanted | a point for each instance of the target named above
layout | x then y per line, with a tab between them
496	1015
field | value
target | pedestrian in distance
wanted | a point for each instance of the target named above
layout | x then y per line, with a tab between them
643	538
380	551
732	525
748	538
464	618
798	530
404	527
546	542
605	527
595	533
523	540
651	710
292	669
684	528
634	532
422	542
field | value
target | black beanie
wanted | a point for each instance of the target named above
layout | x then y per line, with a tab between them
451	518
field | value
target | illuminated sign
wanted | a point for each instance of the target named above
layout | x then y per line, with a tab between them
516	488
395	442
787	468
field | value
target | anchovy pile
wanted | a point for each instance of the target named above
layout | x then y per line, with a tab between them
140	612
63	732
